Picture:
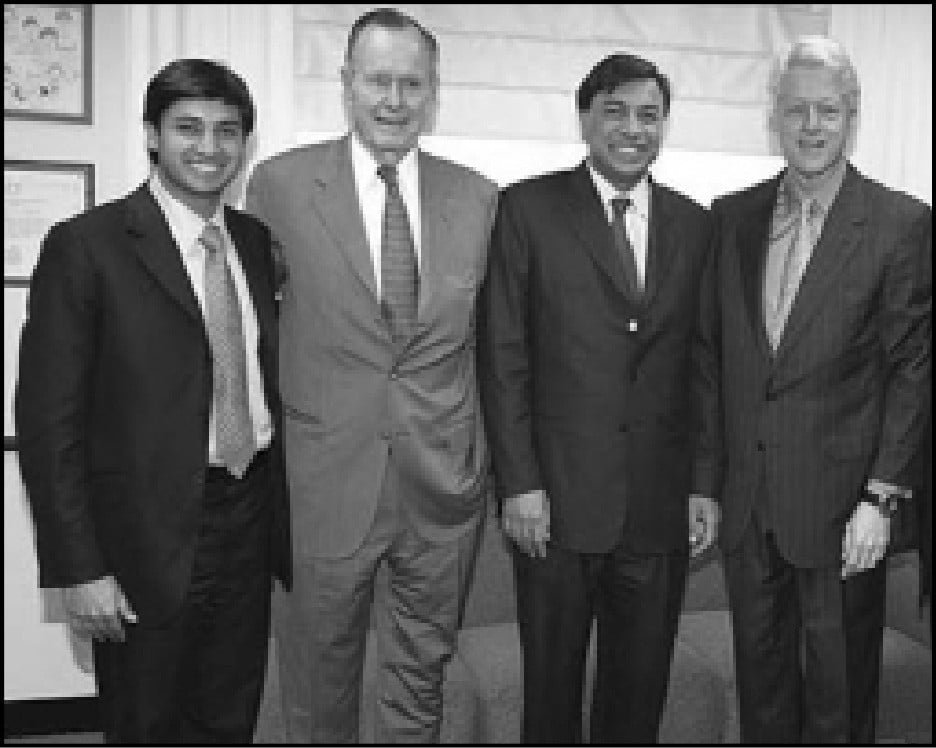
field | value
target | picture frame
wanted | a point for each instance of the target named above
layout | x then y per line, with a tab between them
36	195
47	62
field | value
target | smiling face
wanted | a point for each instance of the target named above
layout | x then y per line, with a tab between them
623	129
390	90
813	119
199	147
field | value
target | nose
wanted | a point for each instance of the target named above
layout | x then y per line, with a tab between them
811	121
395	93
208	142
630	122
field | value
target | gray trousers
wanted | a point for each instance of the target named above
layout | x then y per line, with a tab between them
321	628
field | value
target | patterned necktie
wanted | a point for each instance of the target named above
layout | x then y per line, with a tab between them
797	257
234	437
399	274
625	249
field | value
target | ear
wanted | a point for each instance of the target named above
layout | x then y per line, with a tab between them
152	136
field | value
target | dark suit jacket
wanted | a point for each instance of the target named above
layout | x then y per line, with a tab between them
576	403
846	395
113	398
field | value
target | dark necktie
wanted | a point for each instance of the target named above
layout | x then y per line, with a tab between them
234	438
399	274
625	249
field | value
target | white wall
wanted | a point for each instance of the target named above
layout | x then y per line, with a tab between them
39	660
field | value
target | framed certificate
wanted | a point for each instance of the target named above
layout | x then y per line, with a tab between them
37	194
47	62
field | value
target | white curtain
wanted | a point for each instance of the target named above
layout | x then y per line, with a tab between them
509	70
892	48
255	40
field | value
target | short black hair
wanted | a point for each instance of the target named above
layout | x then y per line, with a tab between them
192	78
389	18
616	69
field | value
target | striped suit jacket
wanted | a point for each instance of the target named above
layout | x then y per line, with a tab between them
846	394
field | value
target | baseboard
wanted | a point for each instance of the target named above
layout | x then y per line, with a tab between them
50	716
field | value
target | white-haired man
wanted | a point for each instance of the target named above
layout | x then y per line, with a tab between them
817	353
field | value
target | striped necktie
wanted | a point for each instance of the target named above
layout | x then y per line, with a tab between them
635	289
399	274
234	437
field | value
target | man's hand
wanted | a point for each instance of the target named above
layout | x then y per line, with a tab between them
97	609
867	534
526	521
703	523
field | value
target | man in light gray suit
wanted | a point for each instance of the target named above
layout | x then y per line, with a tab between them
384	249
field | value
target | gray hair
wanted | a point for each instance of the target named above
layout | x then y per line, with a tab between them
816	51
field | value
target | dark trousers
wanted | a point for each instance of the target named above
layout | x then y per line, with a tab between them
807	646
197	677
636	600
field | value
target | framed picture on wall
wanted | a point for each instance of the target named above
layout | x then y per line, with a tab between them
37	194
47	62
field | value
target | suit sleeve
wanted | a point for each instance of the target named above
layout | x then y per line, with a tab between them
505	355
906	323
58	349
706	374
255	204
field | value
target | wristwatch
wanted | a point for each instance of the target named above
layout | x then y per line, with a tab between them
885	501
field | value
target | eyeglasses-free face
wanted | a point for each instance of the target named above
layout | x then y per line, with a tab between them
390	90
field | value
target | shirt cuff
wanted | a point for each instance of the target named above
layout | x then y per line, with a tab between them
882	488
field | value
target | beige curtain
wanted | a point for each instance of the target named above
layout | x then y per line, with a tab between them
892	46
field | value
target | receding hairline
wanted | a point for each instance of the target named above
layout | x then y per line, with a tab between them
399	22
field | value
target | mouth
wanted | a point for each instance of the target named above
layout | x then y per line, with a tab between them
812	146
391	122
207	170
626	151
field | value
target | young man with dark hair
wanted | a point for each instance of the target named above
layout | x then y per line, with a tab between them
148	422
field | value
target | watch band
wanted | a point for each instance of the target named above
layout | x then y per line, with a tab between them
885	502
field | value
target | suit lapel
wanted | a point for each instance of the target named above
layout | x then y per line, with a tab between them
334	198
841	234
436	218
155	247
256	274
663	242
751	245
587	217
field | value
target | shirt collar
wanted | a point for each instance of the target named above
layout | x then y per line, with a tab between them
639	194
794	188
365	165
184	223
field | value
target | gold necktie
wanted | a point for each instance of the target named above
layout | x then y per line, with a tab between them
234	437
794	265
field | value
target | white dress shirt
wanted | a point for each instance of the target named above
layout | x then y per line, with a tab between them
636	218
186	228
372	195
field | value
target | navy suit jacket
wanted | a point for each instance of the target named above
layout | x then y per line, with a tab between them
846	396
113	398
586	394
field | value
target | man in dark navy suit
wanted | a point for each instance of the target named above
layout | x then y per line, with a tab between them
148	423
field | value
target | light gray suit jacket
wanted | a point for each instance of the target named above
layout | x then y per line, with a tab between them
349	399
